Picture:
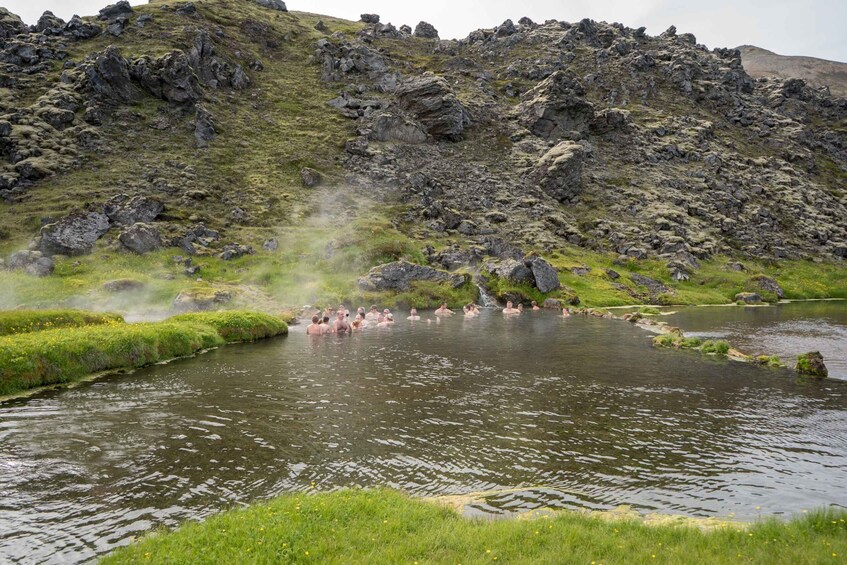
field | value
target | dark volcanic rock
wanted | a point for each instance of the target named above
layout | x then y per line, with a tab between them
81	30
204	128
123	210
769	285
653	286
278	5
114	11
32	263
401	274
559	171
748	298
370	18
310	177
141	238
389	126
234	251
555	107
811	364
106	77
49	24
426	30
546	277
75	234
169	77
10	24
431	101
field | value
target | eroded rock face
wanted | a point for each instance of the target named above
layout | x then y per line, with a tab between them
114	11
556	107
278	5
10	24
32	263
204	127
75	234
432	102
389	126
106	77
426	30
559	171
748	298
401	274
126	211
141	238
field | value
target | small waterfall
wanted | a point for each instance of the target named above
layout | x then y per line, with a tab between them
485	299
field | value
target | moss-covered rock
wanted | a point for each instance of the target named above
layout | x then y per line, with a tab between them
811	365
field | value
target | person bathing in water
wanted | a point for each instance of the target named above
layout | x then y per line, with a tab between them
510	309
341	326
443	310
471	311
565	312
535	306
413	315
373	315
315	328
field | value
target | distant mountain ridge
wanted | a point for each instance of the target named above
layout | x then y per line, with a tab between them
760	62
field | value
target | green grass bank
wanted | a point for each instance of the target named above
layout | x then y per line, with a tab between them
385	526
25	321
51	356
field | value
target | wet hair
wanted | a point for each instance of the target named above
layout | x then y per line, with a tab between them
534	303
326	319
315	319
374	307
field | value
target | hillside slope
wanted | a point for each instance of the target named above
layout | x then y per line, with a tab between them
219	127
760	62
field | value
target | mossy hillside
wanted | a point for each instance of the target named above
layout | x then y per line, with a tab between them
385	526
63	355
266	133
27	321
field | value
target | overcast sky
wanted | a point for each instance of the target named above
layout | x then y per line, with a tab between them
813	28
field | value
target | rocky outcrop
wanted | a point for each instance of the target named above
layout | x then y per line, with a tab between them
545	276
559	171
748	298
141	238
204	126
105	77
400	275
556	107
531	270
235	251
389	126
74	234
126	211
10	24
278	5
31	262
432	103
811	365
426	31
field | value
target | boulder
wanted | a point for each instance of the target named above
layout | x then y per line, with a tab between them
370	18
114	11
556	107
769	285
75	234
610	119
559	171
653	286
204	127
426	31
553	303
310	177
506	29
49	24
389	126
514	271
400	275
31	262
545	275
271	244
234	251
170	77
11	25
126	211
748	298
278	5
432	102
141	238
79	29
811	365
840	250
106	77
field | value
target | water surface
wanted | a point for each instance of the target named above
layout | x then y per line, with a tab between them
573	412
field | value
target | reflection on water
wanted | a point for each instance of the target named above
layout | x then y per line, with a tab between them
576	412
787	329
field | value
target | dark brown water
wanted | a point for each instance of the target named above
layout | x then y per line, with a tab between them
575	412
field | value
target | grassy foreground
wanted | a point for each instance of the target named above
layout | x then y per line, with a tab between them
39	358
385	526
26	321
